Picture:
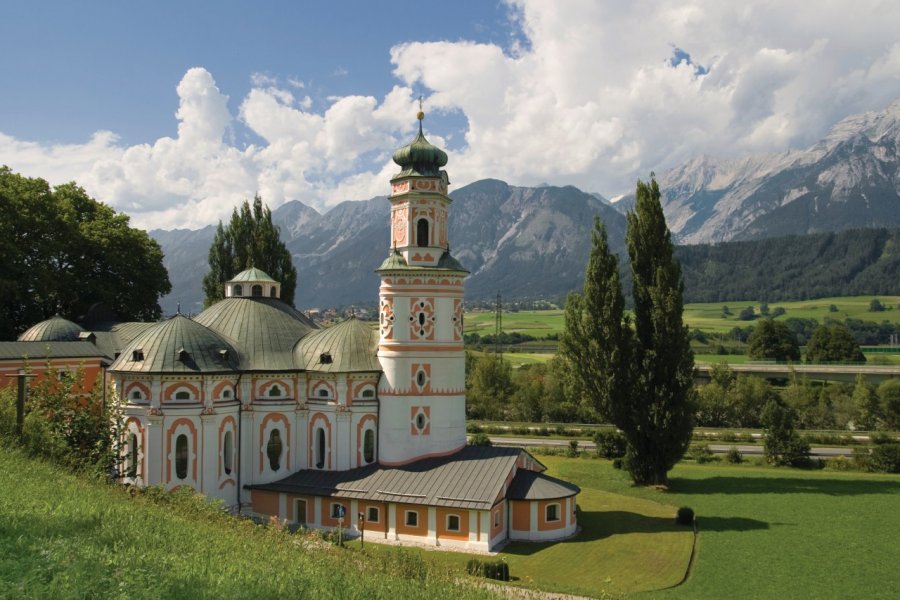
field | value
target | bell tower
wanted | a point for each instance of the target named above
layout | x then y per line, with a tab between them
422	393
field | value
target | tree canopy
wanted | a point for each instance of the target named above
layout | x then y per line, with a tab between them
249	240
641	379
773	340
64	251
832	341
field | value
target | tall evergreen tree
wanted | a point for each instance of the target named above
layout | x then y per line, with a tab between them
596	342
660	409
249	240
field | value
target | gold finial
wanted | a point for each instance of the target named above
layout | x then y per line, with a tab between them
421	114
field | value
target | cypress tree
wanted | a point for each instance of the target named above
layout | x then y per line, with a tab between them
596	342
250	240
660	411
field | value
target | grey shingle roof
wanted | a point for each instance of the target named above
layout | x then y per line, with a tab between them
529	485
350	346
469	479
37	351
54	329
265	329
162	345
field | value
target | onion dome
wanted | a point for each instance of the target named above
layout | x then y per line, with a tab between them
178	345
347	347
54	329
420	157
265	329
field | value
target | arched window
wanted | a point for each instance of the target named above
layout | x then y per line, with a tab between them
273	293
369	446
368	393
227	453
273	450
181	456
226	393
257	290
422	233
323	393
132	456
237	290
274	391
320	448
552	513
136	395
182	395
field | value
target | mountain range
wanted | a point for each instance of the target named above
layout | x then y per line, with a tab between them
533	242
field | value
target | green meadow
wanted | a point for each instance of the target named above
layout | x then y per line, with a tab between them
708	317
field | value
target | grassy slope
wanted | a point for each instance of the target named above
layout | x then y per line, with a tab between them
775	533
63	537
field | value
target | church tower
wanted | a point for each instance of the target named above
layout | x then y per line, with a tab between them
420	347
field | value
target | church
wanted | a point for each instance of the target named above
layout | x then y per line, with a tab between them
349	426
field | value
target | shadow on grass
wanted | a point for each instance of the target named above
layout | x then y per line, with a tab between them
782	485
597	525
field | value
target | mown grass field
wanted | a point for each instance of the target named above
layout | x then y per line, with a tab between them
774	533
62	537
706	316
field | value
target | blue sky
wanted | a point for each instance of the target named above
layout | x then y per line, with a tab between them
175	111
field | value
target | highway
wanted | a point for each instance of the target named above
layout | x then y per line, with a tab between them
745	449
874	374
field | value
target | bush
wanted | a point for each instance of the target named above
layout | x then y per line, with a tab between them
685	516
480	439
473	427
734	456
572	451
618	463
862	459
886	458
702	453
610	444
881	438
498	570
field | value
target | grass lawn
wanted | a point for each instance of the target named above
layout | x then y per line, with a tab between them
774	533
537	323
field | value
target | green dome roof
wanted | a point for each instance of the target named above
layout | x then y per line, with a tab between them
252	274
54	329
420	157
178	345
265	329
347	347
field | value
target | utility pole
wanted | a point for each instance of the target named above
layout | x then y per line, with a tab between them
22	378
498	324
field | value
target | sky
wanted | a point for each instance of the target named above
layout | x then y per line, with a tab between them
175	112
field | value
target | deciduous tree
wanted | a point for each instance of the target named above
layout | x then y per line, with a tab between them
773	340
249	240
833	342
64	251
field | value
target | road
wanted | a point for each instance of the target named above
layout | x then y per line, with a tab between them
716	448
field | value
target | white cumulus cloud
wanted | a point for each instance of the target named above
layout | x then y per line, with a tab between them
590	93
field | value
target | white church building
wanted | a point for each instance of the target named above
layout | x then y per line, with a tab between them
250	402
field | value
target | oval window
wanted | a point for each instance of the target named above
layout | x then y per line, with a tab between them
273	450
420	378
181	456
420	421
421	318
227	453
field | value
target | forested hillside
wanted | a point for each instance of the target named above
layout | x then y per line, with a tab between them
863	261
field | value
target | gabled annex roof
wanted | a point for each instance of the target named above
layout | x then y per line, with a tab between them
472	478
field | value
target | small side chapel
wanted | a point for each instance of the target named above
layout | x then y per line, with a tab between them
250	402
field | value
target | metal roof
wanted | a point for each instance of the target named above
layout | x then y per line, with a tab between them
45	350
396	262
54	329
252	274
419	157
469	479
347	347
179	345
265	329
530	485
